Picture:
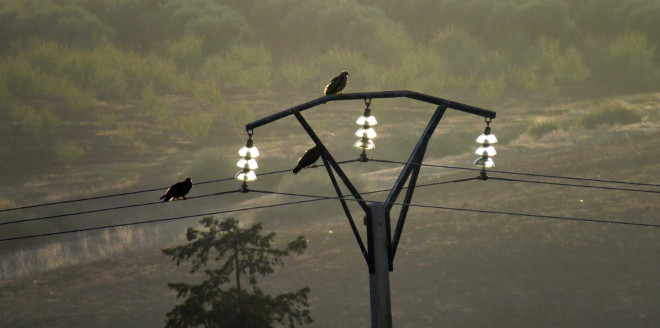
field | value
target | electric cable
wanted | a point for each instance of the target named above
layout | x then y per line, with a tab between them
573	185
469	209
319	198
158	220
141	191
109	209
521	173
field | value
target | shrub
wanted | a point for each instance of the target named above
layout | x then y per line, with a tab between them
244	66
187	53
491	88
458	47
47	55
254	64
617	113
25	78
69	151
155	105
546	68
626	62
208	95
240	113
256	79
336	59
106	119
159	72
125	135
35	121
75	98
196	125
211	163
421	70
541	127
299	76
4	86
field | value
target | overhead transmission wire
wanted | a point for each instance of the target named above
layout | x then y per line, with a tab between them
159	220
132	205
159	202
379	161
521	173
140	191
574	185
342	162
315	198
541	216
118	194
110	208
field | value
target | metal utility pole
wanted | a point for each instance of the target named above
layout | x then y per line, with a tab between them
381	245
379	276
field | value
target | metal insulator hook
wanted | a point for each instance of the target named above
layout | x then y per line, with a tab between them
367	101
488	120
250	133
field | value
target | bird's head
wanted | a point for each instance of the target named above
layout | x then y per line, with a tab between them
188	179
344	72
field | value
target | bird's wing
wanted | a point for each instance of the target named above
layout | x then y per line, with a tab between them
335	78
332	85
310	156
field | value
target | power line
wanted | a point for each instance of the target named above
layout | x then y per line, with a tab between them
141	191
574	185
470	210
109	209
104	196
319	198
158	220
521	173
281	171
368	192
159	202
354	160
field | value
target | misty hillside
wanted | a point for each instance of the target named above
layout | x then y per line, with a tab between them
110	97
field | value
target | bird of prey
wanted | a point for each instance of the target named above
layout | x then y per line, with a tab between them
178	190
308	158
337	84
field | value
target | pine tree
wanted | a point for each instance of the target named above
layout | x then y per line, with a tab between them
234	253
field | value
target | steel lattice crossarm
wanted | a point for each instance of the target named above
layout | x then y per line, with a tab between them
373	95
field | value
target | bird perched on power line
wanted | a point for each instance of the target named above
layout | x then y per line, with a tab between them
178	190
337	84
309	158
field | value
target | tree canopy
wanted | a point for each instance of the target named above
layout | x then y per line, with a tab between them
227	253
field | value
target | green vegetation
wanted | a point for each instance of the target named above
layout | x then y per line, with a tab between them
235	253
541	127
69	151
614	113
36	121
80	55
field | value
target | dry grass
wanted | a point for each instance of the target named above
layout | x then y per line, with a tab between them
452	268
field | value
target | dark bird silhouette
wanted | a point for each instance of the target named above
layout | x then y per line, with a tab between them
308	158
178	190
337	84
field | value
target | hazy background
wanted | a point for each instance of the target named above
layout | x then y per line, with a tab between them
102	97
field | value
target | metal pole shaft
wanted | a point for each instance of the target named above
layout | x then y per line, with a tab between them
379	277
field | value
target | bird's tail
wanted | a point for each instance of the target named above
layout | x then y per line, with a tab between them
297	169
164	198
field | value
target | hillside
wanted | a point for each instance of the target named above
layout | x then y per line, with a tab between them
453	268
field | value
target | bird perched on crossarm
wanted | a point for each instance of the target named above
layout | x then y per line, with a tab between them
308	158
178	190
337	84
